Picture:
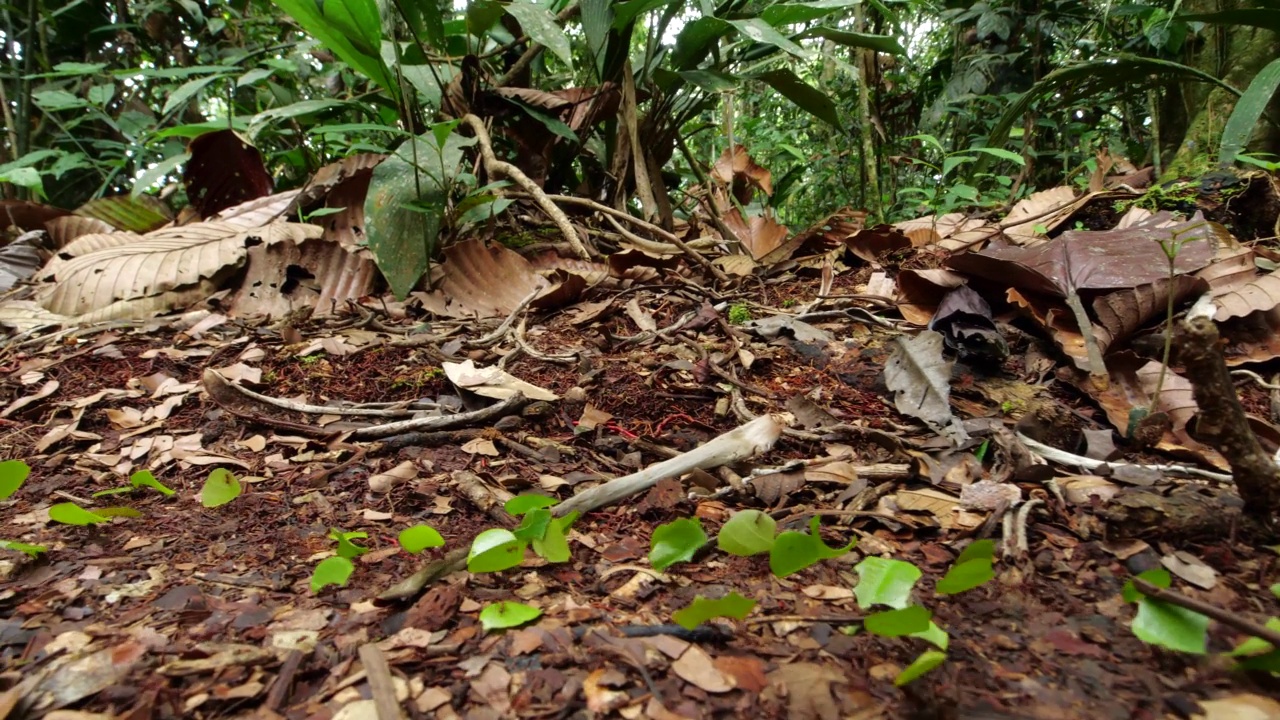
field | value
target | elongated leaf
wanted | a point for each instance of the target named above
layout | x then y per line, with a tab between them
1247	112
762	32
1268	18
625	13
1095	74
307	13
805	96
792	13
541	26
359	21
695	41
185	92
879	43
597	21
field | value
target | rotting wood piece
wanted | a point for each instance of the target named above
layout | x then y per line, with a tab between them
1222	422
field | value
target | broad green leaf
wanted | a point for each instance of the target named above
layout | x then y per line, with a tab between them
76	69
346	548
495	550
927	661
32	550
24	177
506	614
762	32
950	162
55	100
420	537
308	15
553	546
195	130
1001	153
748	532
805	96
935	635
403	239
675	542
185	92
220	488
144	478
968	192
481	15
713	81
971	569
521	504
1170	626
72	514
540	25
359	22
1275	590
488	207
1248	110
1267	662
533	525
625	12
695	41
12	474
703	609
896	623
928	139
331	571
879	43
254	76
1158	577
158	172
597	22
883	581
780	14
100	95
795	551
112	491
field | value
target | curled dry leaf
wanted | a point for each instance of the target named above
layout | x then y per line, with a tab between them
398	475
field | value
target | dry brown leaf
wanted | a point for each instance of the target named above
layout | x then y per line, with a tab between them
1047	208
172	260
696	666
808	689
481	281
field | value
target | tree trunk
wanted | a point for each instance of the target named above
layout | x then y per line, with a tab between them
1193	114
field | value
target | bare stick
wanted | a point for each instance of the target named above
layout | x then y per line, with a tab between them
742	442
494	166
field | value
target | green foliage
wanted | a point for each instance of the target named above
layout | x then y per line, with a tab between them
420	537
1160	623
884	581
739	314
506	614
909	620
927	661
334	570
31	550
703	609
220	488
794	551
676	541
528	502
1248	110
13	473
748	532
495	550
346	548
971	569
69	513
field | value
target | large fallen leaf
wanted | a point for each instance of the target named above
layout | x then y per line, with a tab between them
1042	212
124	277
921	381
481	280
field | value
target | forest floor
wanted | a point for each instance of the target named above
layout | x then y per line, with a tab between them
188	611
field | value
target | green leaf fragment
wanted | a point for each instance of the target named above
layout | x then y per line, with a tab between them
331	571
220	488
676	541
703	609
896	623
502	615
13	473
420	537
495	550
927	661
749	532
883	581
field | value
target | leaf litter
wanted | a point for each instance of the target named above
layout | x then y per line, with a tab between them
518	373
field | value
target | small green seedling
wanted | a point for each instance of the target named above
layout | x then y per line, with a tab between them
505	614
548	535
420	537
220	488
676	541
739	314
703	609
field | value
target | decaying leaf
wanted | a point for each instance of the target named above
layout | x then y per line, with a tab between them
920	378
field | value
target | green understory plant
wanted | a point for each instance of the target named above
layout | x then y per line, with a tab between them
337	570
944	196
